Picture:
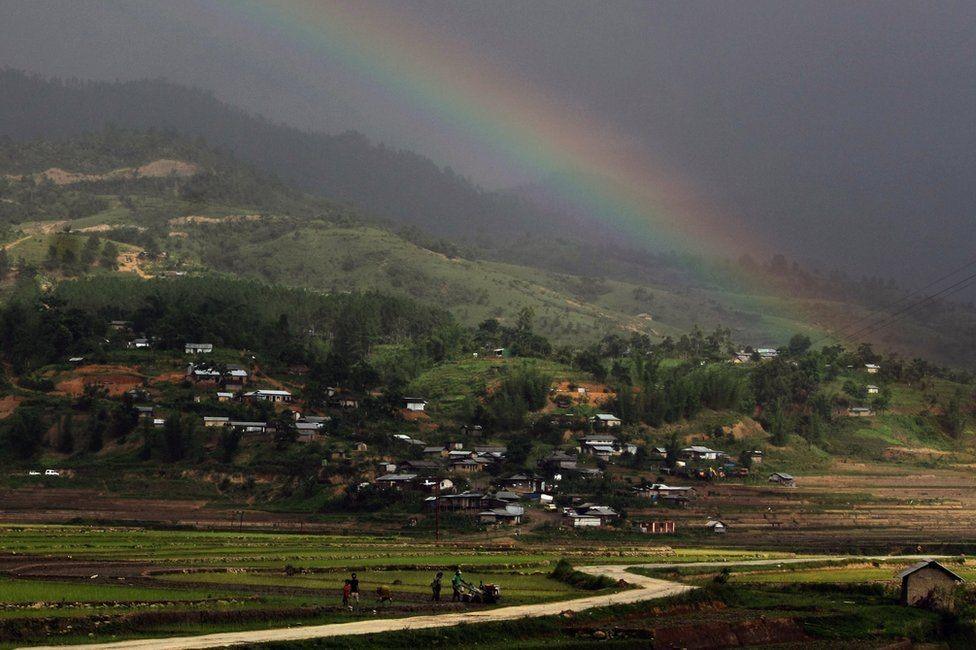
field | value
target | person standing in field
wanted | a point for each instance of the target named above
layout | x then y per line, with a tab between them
354	589
456	582
346	591
435	587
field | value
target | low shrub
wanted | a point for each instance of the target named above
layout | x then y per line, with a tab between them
564	572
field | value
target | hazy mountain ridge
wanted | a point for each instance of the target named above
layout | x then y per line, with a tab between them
604	281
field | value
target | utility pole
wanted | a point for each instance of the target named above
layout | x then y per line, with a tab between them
437	511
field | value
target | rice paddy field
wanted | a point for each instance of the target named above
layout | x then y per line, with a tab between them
64	584
71	584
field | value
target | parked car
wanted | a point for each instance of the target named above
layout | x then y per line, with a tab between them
33	472
52	472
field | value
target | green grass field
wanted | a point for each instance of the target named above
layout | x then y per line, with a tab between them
21	591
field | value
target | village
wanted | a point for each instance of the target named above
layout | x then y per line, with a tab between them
584	482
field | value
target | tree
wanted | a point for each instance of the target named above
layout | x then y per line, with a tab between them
285	431
778	421
150	440
524	319
814	430
90	251
518	451
882	401
96	430
799	345
110	256
123	421
23	432
66	438
672	450
230	440
953	417
174	438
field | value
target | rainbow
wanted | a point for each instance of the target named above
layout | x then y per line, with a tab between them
595	166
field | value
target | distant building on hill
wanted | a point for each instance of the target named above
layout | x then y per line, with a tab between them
860	412
767	353
716	526
268	395
786	480
414	403
605	420
700	453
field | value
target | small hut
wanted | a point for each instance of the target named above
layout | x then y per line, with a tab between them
928	583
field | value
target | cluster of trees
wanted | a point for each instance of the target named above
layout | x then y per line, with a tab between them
520	340
85	426
28	199
286	325
66	253
178	439
507	406
606	360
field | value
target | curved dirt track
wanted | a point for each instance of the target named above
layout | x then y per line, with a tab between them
647	589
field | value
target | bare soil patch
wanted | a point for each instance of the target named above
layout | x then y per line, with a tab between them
593	394
116	379
9	404
200	219
129	263
156	169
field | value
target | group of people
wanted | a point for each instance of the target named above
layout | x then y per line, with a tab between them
350	589
456	582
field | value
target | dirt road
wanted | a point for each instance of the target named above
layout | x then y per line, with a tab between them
648	589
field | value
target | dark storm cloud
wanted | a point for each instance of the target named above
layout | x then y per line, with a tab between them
846	132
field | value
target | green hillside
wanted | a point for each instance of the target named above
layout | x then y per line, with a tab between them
194	210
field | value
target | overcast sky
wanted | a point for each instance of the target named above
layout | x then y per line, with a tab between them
845	130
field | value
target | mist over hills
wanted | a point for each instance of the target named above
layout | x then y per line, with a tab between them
414	205
396	184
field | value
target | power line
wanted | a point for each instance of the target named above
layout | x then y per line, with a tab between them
838	333
894	317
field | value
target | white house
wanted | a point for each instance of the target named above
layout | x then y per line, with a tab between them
872	368
414	403
606	420
698	452
872	389
248	426
215	421
661	490
198	348
584	521
268	395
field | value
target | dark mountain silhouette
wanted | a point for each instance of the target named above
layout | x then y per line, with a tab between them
395	184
